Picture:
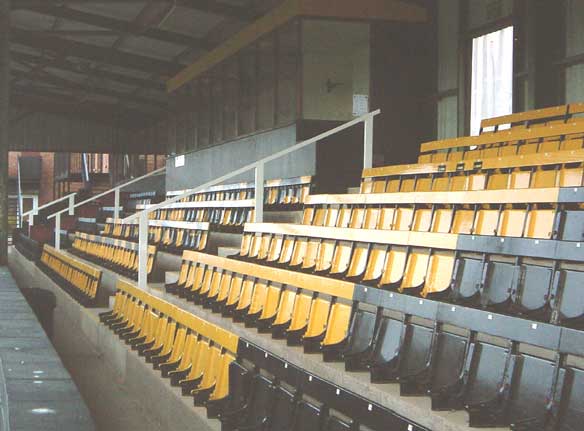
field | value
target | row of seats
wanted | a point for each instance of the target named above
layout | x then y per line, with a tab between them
240	384
554	169
118	255
455	268
496	381
79	279
220	214
534	118
170	236
289	191
551	137
543	213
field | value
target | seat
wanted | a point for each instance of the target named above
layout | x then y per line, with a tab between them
388	340
415	272
359	259
572	225
468	279
213	368
182	369
317	324
532	385
569	301
199	360
257	302
239	381
450	371
299	321
533	292
270	308
541	224
284	409
571	415
439	275
415	363
341	258
337	331
244	301
256	412
309	417
487	389
336	424
394	267
374	269
283	316
360	340
500	283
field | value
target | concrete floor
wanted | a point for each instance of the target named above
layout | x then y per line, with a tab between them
111	404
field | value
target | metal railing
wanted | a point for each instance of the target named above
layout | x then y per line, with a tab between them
259	168
72	205
19	201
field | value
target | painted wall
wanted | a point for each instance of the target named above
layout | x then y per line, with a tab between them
205	165
338	53
574	74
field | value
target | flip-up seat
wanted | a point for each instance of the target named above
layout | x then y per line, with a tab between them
388	341
309	417
337	331
360	340
255	413
416	359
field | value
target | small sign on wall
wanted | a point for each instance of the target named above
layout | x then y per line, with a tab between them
360	104
179	161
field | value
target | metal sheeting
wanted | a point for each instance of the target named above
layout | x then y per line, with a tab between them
47	132
483	12
448	23
447	117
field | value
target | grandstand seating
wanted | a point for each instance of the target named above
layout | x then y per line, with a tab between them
534	118
119	255
458	368
79	279
278	192
229	375
517	141
171	236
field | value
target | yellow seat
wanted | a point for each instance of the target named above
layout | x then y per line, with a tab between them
318	318
439	276
394	267
442	220
258	298
337	327
416	269
540	224
300	312
463	221
512	222
486	222
342	257
358	260
377	257
326	252
285	308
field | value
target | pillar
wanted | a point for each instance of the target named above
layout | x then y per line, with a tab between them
4	122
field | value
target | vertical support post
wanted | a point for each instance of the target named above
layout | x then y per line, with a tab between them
71	205
58	231
4	124
259	192
143	251
116	205
368	143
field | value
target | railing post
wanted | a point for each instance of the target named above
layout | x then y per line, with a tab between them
259	193
117	204
58	232
72	205
368	143
143	251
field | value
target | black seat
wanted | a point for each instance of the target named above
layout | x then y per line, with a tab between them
487	389
449	377
571	300
571	415
533	292
384	362
572	226
256	412
282	418
414	373
335	424
309	417
501	279
530	390
239	387
360	340
467	280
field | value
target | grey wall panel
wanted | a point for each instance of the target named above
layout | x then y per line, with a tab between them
49	132
574	27
483	12
447	117
575	83
205	165
448	23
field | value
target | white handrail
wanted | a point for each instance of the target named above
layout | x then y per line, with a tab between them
258	166
36	210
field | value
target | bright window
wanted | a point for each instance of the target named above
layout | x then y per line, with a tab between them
492	76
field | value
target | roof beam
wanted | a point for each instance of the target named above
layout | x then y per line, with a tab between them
209	6
39	100
121	26
86	69
95	53
68	84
